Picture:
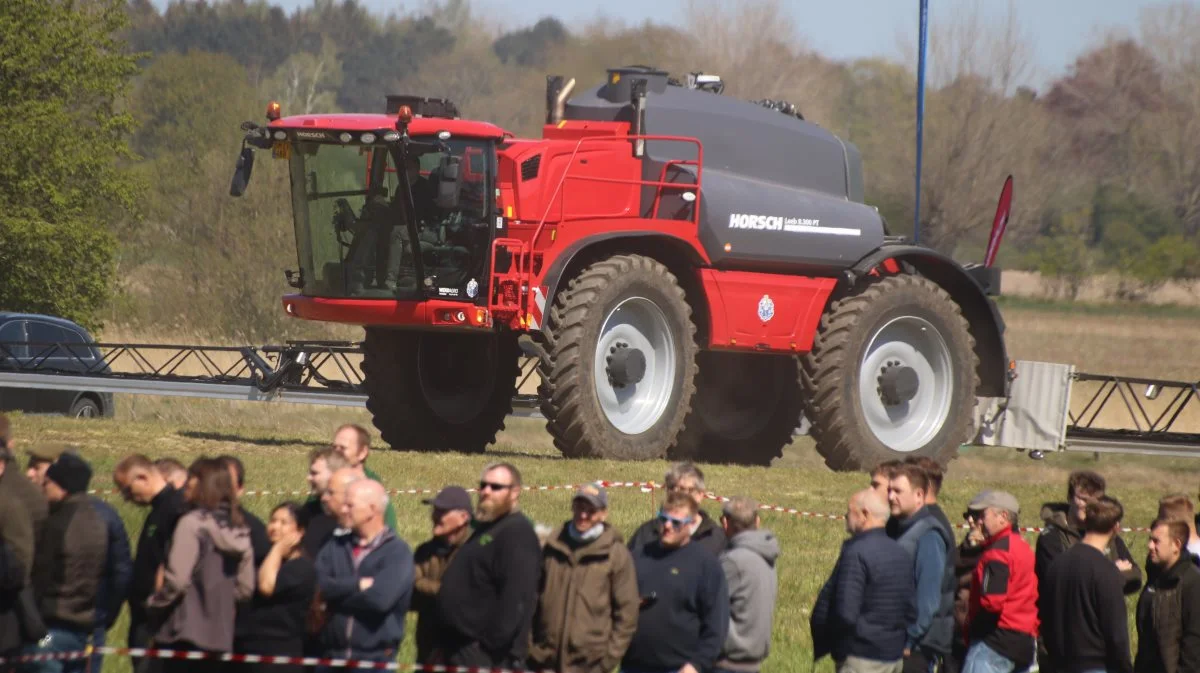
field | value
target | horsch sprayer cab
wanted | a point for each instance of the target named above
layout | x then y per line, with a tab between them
693	271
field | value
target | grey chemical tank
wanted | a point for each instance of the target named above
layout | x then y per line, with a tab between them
779	194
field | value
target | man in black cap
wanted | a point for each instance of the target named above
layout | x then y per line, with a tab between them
118	565
451	527
69	564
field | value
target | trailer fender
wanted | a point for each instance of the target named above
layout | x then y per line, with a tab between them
987	325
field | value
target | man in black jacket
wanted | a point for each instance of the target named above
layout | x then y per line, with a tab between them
140	482
118	566
684	616
1081	605
489	591
1168	612
687	479
69	564
863	611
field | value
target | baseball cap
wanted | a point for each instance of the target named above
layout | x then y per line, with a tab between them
998	499
450	498
594	493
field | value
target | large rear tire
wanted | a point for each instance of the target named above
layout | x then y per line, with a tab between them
892	373
746	409
439	391
620	370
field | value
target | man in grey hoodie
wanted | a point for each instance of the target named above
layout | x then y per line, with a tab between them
749	565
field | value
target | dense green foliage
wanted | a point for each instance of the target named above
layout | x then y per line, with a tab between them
61	85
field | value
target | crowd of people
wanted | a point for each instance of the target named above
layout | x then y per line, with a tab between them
903	597
330	577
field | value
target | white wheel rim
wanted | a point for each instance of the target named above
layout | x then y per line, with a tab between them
913	342
638	323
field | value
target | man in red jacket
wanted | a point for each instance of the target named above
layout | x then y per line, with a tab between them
1002	620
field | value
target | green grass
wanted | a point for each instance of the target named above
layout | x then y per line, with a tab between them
1112	308
273	441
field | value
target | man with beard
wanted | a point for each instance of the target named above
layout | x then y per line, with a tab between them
490	589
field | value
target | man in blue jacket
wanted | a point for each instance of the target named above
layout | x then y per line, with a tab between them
862	613
684	616
366	580
929	541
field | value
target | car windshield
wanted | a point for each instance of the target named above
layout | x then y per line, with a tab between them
352	234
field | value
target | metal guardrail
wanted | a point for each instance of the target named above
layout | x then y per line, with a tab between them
1162	419
299	372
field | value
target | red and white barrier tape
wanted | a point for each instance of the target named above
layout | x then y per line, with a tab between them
644	485
139	652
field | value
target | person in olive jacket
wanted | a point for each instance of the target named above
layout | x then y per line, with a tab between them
588	607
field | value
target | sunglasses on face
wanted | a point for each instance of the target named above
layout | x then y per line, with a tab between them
493	486
664	519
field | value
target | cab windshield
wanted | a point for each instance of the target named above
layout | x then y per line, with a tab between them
353	234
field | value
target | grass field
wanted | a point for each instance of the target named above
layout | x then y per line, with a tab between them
273	439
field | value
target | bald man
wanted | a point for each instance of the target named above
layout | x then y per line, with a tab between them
863	611
366	578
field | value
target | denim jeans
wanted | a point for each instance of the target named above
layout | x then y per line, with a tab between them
983	659
57	640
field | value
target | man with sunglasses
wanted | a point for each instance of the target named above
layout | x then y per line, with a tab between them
685	479
684	616
489	590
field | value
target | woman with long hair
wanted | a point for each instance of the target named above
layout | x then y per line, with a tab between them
209	570
287	584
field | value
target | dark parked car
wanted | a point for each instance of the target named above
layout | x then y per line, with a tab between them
76	353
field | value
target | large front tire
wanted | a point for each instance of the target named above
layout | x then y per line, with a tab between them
619	377
439	391
892	373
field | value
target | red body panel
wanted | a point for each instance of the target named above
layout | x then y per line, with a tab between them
372	122
433	312
794	303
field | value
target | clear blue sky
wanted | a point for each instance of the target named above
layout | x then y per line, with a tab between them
839	29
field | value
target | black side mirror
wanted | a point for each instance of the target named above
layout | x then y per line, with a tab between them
447	186
241	174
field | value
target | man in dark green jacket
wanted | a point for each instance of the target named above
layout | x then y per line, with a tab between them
354	443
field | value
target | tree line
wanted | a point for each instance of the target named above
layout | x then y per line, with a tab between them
121	126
